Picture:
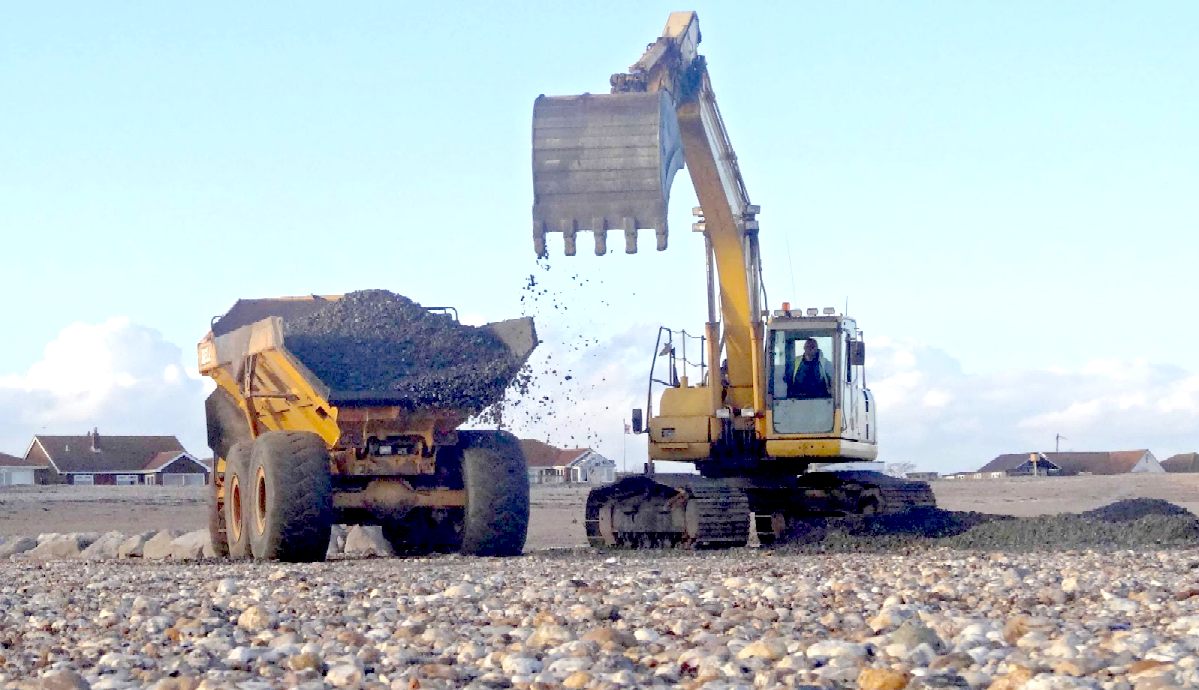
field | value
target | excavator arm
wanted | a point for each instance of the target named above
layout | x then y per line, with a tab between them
606	162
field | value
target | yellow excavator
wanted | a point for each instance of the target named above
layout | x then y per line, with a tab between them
768	401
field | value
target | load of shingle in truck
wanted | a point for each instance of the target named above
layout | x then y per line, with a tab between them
346	410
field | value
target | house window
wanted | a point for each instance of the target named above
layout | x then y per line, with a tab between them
126	479
181	479
84	479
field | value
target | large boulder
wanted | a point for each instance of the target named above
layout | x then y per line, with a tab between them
367	540
59	546
192	546
13	546
160	546
107	547
132	546
337	541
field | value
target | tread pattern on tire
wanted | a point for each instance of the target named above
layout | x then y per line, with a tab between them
299	497
237	464
226	427
216	519
497	494
226	423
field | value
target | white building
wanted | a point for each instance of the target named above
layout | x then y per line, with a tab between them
16	471
550	465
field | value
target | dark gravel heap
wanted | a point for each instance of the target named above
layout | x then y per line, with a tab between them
1140	522
1134	509
375	341
1063	532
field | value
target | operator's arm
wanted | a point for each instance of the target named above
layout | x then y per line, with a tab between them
826	375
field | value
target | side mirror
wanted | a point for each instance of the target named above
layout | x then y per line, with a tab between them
857	352
638	422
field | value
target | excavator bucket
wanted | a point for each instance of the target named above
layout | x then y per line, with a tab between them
603	162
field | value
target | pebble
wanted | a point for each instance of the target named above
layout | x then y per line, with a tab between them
744	618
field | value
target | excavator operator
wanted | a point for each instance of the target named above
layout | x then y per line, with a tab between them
812	375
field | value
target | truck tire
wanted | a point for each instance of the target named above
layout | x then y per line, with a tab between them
290	512
226	423
216	525
496	519
237	493
216	511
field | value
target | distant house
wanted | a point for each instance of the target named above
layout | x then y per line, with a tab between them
121	460
1070	463
1034	465
551	465
1182	462
922	476
16	471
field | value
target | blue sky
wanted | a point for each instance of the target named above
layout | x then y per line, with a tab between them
1003	193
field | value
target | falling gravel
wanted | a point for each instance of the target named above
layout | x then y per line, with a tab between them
375	342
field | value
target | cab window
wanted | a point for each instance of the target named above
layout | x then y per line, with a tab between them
802	381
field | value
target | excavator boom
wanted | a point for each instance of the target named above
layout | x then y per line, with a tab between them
606	162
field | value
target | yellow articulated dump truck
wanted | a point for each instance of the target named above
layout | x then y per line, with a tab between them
346	410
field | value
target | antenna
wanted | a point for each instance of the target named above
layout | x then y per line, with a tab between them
790	265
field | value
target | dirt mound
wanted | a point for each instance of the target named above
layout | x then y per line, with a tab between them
1064	532
924	523
378	341
1123	524
1135	509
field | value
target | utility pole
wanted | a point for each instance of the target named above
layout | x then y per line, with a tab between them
624	449
1057	442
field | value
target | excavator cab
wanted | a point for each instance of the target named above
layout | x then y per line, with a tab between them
816	379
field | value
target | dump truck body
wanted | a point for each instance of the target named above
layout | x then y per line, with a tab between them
392	458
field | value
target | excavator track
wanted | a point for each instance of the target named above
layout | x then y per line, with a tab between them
855	492
667	511
835	494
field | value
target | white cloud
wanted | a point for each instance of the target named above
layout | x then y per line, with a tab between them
118	376
935	415
125	379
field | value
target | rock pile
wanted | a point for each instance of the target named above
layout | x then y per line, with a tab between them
377	341
1125	620
354	541
1124	524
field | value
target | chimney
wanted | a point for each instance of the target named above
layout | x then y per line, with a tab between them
95	436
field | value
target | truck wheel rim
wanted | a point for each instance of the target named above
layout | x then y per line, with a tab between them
260	500
235	504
